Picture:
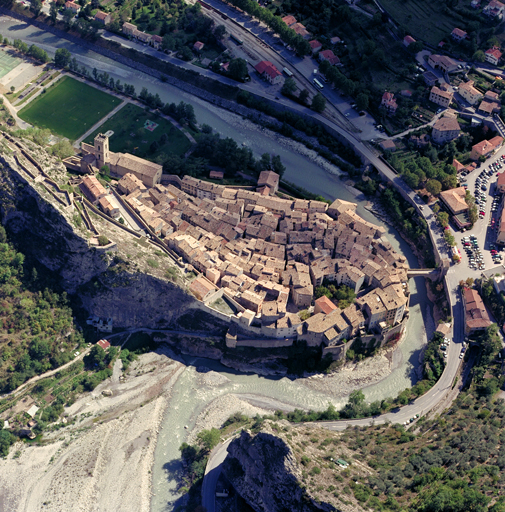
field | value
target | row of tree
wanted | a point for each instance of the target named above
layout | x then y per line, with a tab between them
289	89
288	35
33	51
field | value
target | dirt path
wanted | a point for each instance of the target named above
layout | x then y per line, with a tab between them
16	391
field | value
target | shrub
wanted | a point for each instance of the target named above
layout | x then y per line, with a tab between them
103	240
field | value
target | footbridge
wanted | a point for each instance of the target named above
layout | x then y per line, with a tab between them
433	273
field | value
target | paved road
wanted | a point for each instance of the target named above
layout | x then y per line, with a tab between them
212	472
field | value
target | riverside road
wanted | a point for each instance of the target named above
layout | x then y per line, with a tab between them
423	404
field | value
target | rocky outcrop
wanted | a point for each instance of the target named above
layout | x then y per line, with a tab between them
263	470
43	229
134	299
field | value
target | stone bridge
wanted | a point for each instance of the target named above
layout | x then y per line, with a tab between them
433	273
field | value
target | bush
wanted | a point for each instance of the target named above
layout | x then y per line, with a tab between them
103	240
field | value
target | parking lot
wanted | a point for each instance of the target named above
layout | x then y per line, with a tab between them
478	246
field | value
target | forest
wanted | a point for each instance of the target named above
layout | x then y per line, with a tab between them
36	325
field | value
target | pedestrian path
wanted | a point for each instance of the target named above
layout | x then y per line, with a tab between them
77	143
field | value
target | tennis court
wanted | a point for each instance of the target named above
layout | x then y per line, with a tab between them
7	62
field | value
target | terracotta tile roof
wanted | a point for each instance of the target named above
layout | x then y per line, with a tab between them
455	199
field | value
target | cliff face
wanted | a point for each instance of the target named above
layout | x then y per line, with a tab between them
134	299
44	230
263	470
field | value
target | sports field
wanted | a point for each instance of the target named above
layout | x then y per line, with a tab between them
69	108
8	62
135	129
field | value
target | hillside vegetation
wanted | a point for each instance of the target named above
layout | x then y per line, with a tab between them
36	326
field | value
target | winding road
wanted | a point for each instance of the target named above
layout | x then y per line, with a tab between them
423	404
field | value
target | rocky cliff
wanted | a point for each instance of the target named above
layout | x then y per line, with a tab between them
43	229
47	231
263	470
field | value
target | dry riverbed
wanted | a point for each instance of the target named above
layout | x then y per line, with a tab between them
103	461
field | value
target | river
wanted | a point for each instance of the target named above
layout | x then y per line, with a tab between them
188	400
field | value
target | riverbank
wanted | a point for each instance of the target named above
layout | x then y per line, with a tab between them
108	444
352	376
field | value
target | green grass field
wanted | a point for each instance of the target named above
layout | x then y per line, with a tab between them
131	136
69	108
423	19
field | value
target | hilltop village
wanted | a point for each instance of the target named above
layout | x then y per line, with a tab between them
265	254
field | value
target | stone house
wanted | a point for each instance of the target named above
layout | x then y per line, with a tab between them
440	97
445	130
123	163
103	17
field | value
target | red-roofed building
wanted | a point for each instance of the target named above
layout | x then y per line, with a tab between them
493	55
92	189
198	46
324	305
407	40
156	42
72	6
485	147
476	317
458	35
494	9
104	344
300	30
315	45
289	20
389	102
329	56
103	17
268	71
458	165
500	183
216	175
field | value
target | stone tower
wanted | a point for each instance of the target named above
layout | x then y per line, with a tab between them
102	150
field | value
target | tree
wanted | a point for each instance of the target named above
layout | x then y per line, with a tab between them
318	103
443	218
303	96
68	16
238	69
434	187
357	397
185	53
209	438
35	7
38	53
479	56
53	11
103	240
277	166
289	87
362	101
62	57
96	356
62	149
6	439
219	32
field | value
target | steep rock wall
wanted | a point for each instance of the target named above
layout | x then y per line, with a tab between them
44	230
134	299
263	470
